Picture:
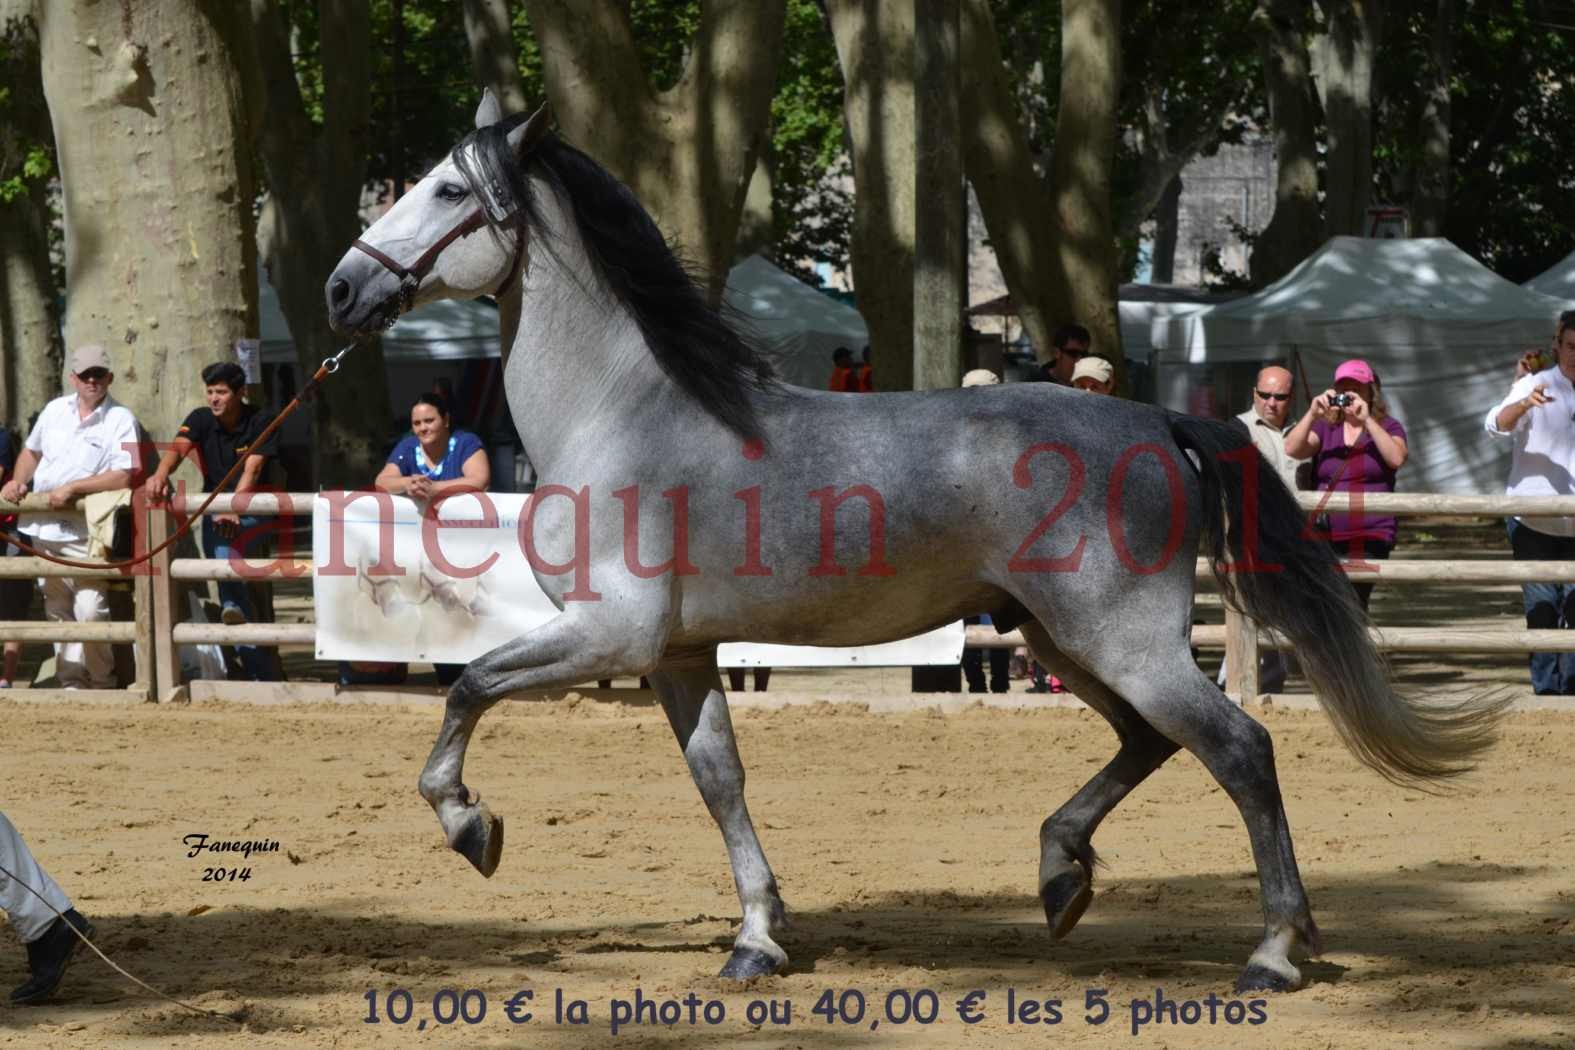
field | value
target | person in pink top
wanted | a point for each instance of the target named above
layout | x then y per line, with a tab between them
1355	446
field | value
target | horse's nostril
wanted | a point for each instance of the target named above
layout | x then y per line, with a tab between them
339	291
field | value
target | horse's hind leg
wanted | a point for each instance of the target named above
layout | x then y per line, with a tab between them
697	709
1066	851
1174	697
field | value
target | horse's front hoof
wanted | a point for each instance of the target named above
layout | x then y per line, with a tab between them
1065	898
1257	978
480	840
747	963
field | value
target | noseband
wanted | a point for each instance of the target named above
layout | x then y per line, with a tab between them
410	277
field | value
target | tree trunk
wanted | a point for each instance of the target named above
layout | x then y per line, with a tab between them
875	45
940	228
1000	168
30	343
491	34
1343	58
312	215
1167	224
1430	201
1296	228
160	260
490	30
757	220
1084	279
688	152
1164	150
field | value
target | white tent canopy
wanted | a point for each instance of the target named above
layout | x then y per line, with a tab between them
798	325
1140	305
1558	280
1442	330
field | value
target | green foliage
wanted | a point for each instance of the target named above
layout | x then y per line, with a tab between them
662	32
1189	71
27	154
811	178
1512	103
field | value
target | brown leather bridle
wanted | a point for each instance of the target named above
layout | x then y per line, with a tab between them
497	204
410	277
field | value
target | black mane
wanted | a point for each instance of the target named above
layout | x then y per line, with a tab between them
691	340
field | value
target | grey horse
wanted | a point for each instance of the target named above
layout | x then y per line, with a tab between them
687	499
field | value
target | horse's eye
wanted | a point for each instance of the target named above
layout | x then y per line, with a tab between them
452	192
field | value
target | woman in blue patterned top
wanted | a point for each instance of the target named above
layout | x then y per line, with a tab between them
432	460
435	458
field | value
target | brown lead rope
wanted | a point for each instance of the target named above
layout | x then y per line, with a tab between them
327	368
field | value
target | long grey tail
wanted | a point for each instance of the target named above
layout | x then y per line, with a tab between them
1284	577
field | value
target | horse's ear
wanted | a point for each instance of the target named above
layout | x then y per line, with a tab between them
525	138
490	111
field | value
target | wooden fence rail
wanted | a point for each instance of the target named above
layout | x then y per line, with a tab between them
156	628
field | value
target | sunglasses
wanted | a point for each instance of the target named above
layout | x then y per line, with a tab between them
1272	397
1072	351
94	375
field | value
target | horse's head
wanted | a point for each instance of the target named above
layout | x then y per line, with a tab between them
427	246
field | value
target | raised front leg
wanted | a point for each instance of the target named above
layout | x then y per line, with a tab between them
562	652
697	709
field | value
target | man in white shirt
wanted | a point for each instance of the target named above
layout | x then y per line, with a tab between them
1538	414
83	442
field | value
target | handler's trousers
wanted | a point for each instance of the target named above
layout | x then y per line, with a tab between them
29	915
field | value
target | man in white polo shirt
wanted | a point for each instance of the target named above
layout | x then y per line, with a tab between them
83	442
1539	415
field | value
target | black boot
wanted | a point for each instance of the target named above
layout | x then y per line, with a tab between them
48	957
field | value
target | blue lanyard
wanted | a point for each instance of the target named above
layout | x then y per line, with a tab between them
421	459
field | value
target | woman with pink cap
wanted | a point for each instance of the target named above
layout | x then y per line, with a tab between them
1355	446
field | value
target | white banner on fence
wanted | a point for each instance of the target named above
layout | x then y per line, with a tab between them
409	609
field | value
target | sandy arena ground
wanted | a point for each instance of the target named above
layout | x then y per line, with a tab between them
905	845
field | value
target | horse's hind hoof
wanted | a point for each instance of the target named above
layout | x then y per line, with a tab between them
747	963
1065	898
1257	978
480	840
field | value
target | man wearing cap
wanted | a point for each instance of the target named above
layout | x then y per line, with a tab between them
82	443
1095	375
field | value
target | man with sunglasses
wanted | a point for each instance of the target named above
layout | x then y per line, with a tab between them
1072	343
82	443
1267	419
